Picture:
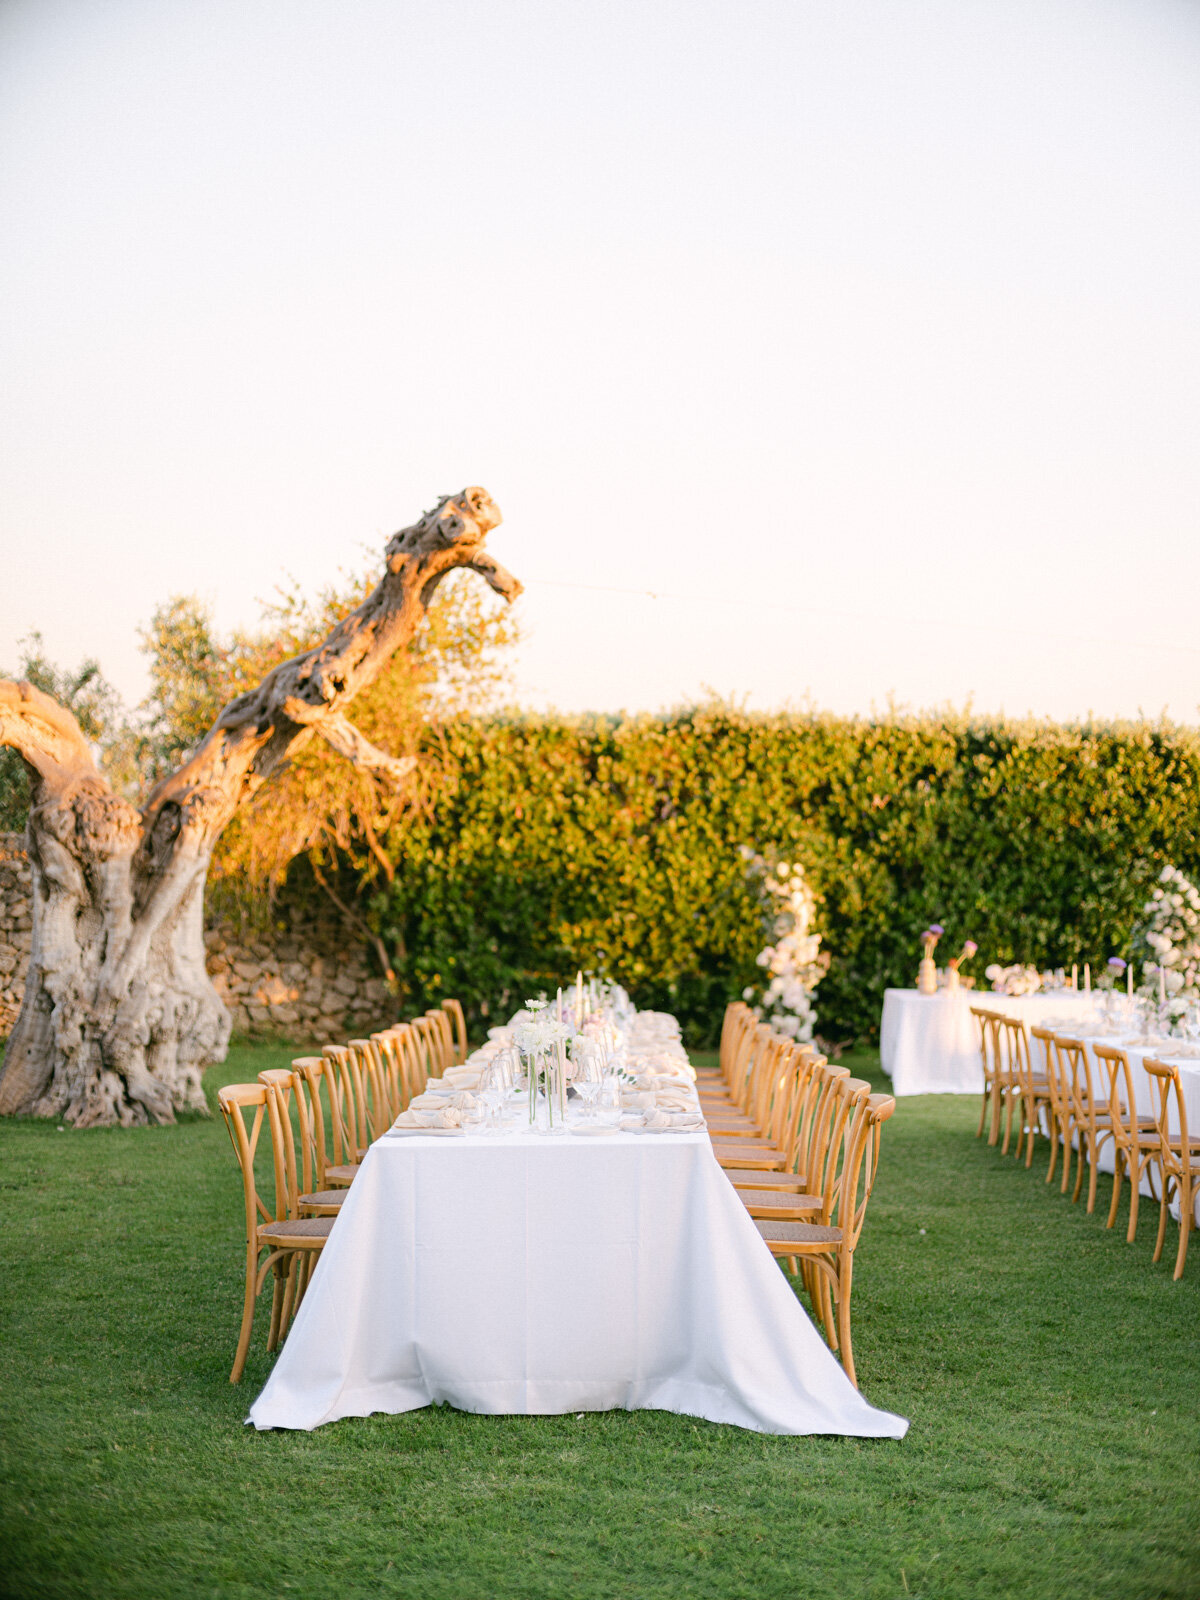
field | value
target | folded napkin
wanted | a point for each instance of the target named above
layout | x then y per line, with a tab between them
429	1117
461	1100
461	1077
633	1100
675	1100
683	1120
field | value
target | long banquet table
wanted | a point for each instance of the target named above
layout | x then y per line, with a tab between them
526	1274
929	1043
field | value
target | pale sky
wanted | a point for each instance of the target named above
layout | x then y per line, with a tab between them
863	333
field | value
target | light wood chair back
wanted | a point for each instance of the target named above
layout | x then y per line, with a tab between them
430	1046
375	1088
1179	1155
733	1026
742	1054
995	1084
443	1040
291	1242
1033	1093
311	1073
1135	1149
454	1010
1089	1126
351	1099
392	1068
1046	1059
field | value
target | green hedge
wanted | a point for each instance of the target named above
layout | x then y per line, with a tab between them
613	844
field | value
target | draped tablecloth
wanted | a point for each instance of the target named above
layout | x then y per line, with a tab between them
524	1274
929	1043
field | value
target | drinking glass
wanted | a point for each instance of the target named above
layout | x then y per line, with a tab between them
493	1092
588	1076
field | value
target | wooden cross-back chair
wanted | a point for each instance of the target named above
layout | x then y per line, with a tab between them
719	1079
759	1142
1136	1151
996	1085
1032	1093
817	1082
728	1086
821	1093
1089	1127
770	1150
442	1035
429	1045
826	1249
768	1050
286	1085
335	1151
454	1010
280	1231
1179	1155
1059	1097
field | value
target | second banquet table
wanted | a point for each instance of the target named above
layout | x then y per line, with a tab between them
929	1043
525	1274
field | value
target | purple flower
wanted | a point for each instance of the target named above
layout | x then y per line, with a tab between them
1116	963
970	947
936	927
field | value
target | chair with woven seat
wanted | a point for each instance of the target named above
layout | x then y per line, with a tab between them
1136	1150
813	1136
997	1084
284	1235
1179	1156
768	1150
1033	1093
1089	1126
817	1082
752	1119
338	1163
287	1085
1059	1097
826	1249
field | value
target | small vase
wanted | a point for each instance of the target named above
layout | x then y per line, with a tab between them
927	977
951	979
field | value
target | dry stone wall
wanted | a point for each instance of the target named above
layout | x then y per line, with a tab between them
305	989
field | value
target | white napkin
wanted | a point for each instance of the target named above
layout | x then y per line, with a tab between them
459	1101
446	1117
461	1077
658	1118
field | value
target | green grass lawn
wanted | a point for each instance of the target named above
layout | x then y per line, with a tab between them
1050	1372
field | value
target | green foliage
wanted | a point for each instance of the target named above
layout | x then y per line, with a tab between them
1049	1370
612	844
83	690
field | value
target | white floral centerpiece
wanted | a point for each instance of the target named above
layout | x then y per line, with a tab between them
541	1035
795	961
1013	980
1166	939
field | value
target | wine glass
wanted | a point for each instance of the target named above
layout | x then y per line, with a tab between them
493	1091
587	1077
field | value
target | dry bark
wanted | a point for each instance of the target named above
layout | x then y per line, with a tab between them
119	1017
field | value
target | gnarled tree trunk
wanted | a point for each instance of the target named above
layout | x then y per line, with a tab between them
119	1018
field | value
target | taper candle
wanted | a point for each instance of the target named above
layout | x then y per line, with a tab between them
1087	978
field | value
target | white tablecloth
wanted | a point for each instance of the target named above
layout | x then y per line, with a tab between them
527	1275
929	1043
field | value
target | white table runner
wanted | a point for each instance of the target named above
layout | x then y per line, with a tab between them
528	1275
